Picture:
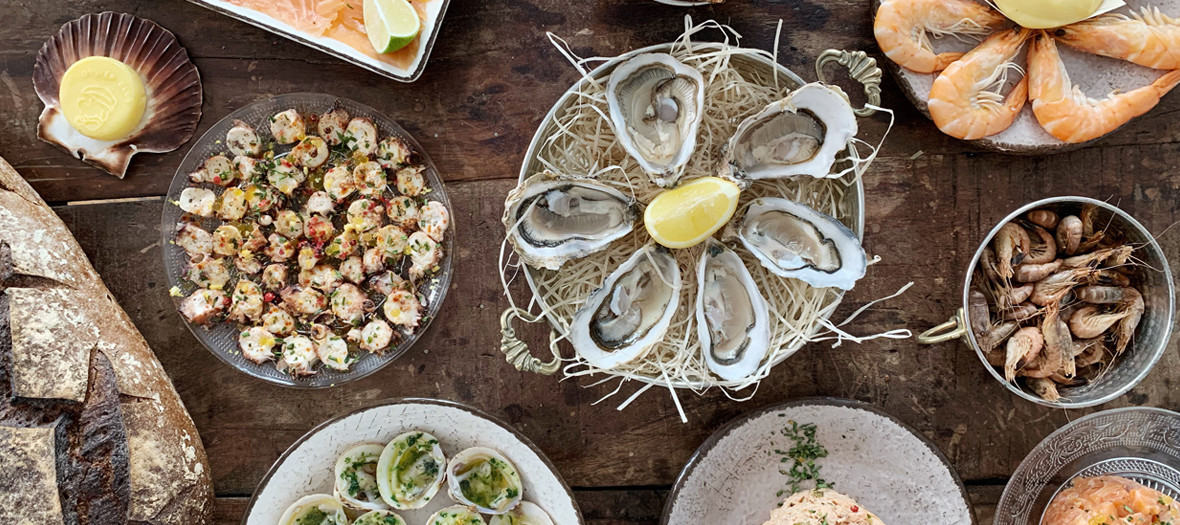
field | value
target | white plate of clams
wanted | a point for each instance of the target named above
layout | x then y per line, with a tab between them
413	462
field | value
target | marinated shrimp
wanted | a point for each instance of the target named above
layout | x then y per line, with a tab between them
903	29
965	101
304	241
1069	114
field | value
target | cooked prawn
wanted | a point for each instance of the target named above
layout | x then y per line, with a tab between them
1071	116
965	101
903	29
1024	346
1090	322
1146	37
1132	307
1012	244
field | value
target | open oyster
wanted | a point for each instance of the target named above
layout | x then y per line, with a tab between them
798	135
456	515
356	477
552	218
170	82
793	240
656	104
631	311
733	321
411	470
316	509
484	479
527	513
379	517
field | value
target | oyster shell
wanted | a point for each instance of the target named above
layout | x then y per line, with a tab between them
527	513
327	509
410	471
456	515
484	479
793	240
733	320
656	104
631	311
172	82
552	218
798	135
356	477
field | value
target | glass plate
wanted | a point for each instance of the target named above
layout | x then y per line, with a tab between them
1138	443
222	339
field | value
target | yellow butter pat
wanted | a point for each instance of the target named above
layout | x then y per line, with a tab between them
102	98
1044	14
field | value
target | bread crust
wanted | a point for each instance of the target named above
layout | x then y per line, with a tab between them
73	365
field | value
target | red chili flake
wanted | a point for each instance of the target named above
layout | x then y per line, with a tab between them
217	179
855	508
268	296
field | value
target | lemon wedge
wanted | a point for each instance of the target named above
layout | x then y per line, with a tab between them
391	24
685	216
1044	14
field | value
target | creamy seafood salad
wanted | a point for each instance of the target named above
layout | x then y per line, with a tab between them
374	481
313	237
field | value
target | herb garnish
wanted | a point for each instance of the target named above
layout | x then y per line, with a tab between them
802	457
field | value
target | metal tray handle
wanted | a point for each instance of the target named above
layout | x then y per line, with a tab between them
955	328
517	351
861	67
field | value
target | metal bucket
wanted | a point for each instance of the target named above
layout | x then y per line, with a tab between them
1151	337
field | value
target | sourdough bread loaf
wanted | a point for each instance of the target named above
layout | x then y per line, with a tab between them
91	430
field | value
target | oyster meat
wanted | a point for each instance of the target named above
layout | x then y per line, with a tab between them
527	513
631	311
410	471
656	104
733	320
317	509
552	218
798	135
484	479
793	240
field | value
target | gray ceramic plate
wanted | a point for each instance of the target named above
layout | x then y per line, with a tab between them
1139	443
882	463
222	339
306	467
1096	75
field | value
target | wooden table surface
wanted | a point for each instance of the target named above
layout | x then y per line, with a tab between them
491	79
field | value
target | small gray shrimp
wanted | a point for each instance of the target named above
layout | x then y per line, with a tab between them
1015	295
1090	322
1043	218
1043	248
1106	277
1058	343
1103	294
1044	388
978	312
1069	234
1029	273
1132	307
1113	256
990	339
1089	351
1012	244
1024	346
1053	288
988	262
1021	312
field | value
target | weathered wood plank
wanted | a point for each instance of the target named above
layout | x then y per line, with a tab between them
492	77
941	390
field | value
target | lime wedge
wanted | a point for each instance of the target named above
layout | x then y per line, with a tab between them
391	24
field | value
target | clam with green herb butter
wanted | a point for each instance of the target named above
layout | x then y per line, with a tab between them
456	515
483	478
316	509
379	517
410	470
527	513
356	477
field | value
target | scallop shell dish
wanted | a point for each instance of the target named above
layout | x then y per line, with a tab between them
694	217
115	85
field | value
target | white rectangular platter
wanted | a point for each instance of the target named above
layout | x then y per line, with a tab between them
435	9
